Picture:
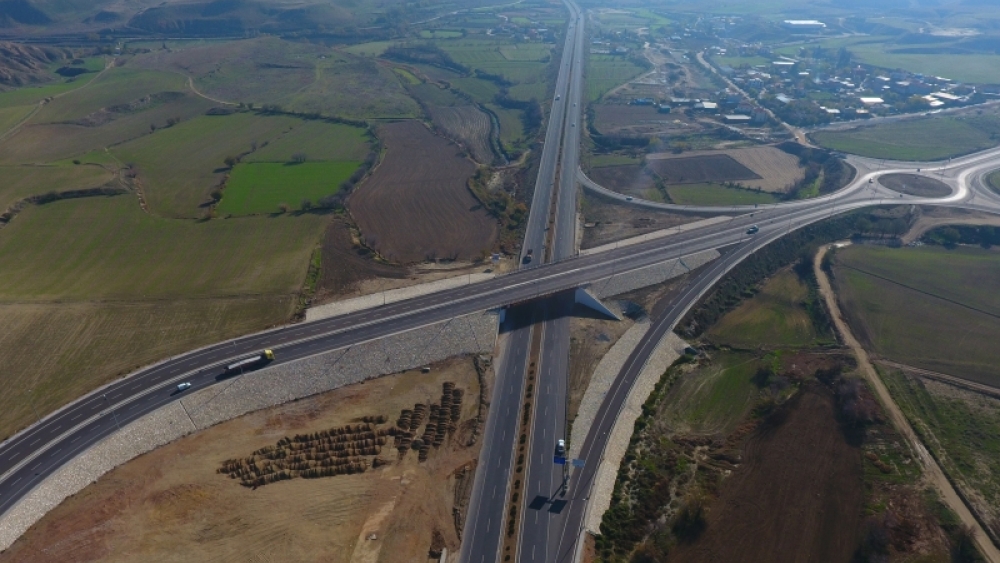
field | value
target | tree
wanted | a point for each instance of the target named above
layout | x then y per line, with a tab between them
231	161
299	157
306	205
284	207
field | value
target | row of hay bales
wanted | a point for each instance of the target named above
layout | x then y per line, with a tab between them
351	448
343	450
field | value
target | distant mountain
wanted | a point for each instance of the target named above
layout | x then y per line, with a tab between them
14	12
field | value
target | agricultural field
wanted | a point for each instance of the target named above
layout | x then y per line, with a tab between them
717	194
109	265
23	181
629	179
605	72
416	205
701	169
776	170
638	121
779	315
180	166
901	301
156	508
317	140
263	187
296	76
918	139
523	64
715	399
80	122
468	125
961	428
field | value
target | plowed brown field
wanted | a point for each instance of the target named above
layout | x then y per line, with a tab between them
798	496
469	125
416	205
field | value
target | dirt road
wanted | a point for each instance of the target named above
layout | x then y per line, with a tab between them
932	471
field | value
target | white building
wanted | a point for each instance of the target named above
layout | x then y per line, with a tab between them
804	25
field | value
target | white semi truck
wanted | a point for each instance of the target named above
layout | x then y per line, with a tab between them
254	361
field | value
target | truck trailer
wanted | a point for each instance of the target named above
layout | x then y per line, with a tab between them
251	362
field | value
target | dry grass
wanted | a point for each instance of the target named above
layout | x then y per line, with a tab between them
468	125
171	505
63	350
777	169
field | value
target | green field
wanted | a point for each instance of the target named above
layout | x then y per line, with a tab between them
927	307
370	49
181	165
33	94
511	127
317	140
523	64
713	398
263	187
117	86
11	116
920	139
22	181
963	431
716	194
775	317
107	248
605	72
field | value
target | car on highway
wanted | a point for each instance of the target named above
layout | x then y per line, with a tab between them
561	448
557	97
183	386
628	198
753	230
528	256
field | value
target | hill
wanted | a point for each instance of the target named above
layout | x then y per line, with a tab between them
21	65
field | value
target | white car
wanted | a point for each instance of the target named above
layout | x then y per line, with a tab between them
183	386
561	448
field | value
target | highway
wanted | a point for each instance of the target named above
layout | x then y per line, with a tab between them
549	533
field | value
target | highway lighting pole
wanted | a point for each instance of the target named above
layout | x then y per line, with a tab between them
113	414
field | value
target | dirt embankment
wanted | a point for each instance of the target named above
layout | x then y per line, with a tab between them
932	471
796	498
416	206
172	504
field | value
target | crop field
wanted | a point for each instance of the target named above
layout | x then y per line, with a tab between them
22	181
702	168
919	139
715	398
912	184
315	139
631	179
57	352
611	119
716	194
297	76
776	169
804	475
115	87
262	187
777	316
181	165
11	116
962	428
605	72
46	142
511	127
172	505
31	95
901	301
416	206
108	249
470	126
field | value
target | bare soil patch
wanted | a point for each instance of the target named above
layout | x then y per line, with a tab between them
797	497
631	179
468	125
172	505
712	167
606	222
346	264
638	121
912	184
416	206
777	170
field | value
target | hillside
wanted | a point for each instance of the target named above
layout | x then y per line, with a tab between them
25	64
